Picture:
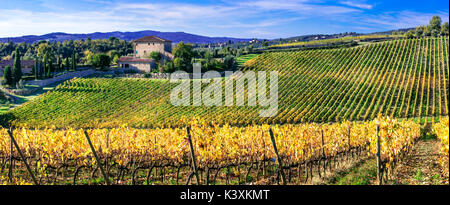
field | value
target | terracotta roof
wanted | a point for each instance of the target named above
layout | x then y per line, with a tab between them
151	39
24	63
133	59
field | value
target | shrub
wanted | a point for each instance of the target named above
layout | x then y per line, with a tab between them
101	61
17	67
229	62
7	76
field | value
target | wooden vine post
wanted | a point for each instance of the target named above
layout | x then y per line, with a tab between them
22	156
106	155
323	153
379	171
280	164
323	143
10	170
264	154
99	163
194	164
349	142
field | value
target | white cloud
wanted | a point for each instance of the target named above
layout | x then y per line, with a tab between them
303	7
260	32
19	22
261	24
272	5
163	16
227	18
176	11
357	4
403	19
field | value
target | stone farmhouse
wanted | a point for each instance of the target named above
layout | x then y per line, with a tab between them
142	49
27	66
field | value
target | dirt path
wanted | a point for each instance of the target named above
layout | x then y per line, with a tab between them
421	166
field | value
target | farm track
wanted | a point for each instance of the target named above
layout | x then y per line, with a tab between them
421	167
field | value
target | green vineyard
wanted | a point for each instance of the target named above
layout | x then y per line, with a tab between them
241	60
335	40
400	78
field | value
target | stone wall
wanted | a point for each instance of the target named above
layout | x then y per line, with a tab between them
27	91
140	66
67	76
25	71
118	73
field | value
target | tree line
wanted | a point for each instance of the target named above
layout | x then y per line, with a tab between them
51	57
84	49
435	28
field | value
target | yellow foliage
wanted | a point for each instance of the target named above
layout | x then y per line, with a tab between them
213	144
441	130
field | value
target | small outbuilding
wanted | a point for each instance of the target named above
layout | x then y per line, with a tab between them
138	64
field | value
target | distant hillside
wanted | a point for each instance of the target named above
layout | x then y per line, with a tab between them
404	30
314	37
173	36
331	36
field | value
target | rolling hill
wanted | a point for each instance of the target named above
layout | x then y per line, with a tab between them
401	78
173	36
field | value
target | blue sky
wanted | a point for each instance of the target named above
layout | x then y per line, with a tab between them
245	18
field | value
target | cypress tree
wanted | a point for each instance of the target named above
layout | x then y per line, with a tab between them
44	67
58	64
40	67
17	67
42	72
7	75
35	71
67	64
74	65
50	69
45	74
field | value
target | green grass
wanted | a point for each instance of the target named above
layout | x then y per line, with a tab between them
419	175
428	136
363	173
436	179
